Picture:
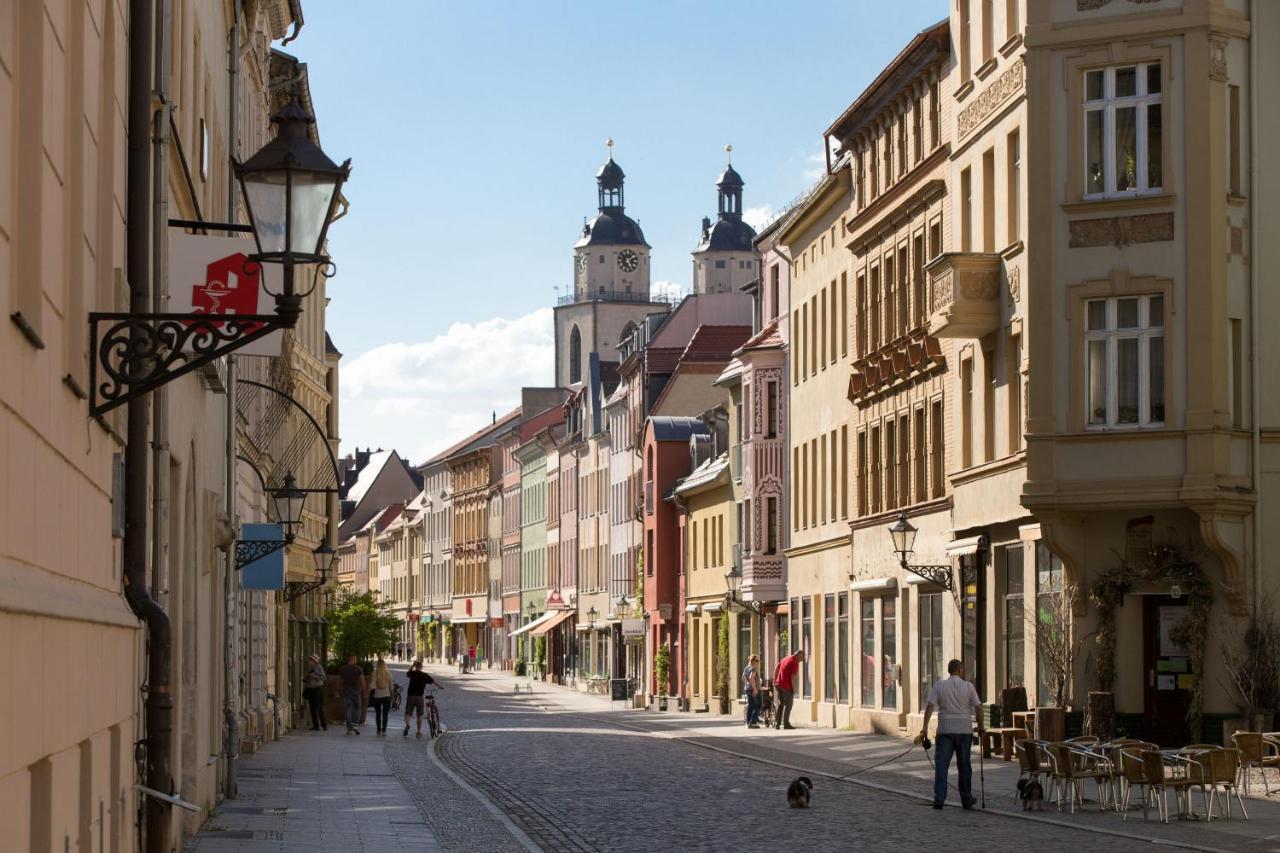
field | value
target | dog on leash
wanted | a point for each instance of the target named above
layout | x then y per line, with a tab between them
798	792
1031	792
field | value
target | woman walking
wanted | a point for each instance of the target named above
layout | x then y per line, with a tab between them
313	691
381	695
751	691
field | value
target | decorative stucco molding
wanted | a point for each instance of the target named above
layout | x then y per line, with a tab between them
1121	231
1005	87
1218	59
1014	274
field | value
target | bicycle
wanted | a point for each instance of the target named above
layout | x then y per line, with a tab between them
433	713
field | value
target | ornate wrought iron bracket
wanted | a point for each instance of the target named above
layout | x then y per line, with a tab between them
248	550
133	354
941	575
297	589
755	607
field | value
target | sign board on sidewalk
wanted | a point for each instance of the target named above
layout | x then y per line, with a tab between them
618	690
210	275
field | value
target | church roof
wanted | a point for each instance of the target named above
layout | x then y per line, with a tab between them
727	234
611	228
610	175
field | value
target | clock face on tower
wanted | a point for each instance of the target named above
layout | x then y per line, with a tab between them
582	262
628	260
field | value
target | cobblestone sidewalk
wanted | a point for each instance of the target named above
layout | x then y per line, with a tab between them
318	791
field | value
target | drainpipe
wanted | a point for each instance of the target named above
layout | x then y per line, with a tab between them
158	723
1255	355
230	591
160	480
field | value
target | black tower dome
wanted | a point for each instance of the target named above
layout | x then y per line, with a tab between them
611	226
729	233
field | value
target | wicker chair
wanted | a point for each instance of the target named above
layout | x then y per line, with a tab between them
1256	750
1224	774
1133	770
1159	782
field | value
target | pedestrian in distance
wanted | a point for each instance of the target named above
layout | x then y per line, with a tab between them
471	659
313	692
751	691
381	695
957	705
784	681
414	703
353	691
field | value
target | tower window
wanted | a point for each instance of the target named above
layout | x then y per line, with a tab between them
575	356
719	265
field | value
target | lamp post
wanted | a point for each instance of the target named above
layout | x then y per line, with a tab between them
903	534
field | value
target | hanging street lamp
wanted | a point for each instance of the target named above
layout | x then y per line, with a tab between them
291	191
324	557
903	534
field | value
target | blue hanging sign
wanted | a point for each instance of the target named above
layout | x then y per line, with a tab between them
265	572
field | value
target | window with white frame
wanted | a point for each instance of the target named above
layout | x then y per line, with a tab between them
1123	129
1124	361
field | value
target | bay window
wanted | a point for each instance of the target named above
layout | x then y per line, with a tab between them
1123	130
1124	361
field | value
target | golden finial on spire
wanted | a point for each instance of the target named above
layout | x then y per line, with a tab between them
609	144
728	153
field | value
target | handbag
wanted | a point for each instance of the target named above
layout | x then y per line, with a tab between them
381	692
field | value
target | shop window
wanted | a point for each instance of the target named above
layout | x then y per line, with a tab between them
868	621
829	655
842	641
929	627
1014	618
889	651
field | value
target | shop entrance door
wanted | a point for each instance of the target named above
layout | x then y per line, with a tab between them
1166	670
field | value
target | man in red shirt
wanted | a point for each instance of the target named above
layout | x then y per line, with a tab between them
784	682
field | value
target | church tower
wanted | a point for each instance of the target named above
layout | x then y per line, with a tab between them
725	259
610	292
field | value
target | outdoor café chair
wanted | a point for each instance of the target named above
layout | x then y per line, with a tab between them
1256	751
1133	770
1159	782
1223	768
1074	764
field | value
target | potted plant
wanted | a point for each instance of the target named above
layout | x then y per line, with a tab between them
1056	649
1251	659
661	671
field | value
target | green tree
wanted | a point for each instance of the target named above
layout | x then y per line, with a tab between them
361	625
722	660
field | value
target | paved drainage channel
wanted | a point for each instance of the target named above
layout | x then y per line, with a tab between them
538	824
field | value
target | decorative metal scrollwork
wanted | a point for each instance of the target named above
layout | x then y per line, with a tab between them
941	575
297	589
140	352
248	550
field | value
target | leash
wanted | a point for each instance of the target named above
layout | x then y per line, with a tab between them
870	766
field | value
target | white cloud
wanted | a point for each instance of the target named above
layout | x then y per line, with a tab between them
670	290
758	216
421	397
817	166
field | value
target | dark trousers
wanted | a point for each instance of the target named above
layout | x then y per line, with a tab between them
785	698
754	702
948	745
381	711
315	700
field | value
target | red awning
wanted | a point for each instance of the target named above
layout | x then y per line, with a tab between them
559	618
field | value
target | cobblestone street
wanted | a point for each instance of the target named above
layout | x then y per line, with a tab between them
559	771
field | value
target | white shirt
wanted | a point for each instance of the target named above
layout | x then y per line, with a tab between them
955	700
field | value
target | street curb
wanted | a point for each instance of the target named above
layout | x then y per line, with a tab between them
886	789
498	814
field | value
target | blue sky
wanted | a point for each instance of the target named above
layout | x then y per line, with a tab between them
475	130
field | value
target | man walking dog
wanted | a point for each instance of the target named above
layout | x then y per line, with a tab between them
957	704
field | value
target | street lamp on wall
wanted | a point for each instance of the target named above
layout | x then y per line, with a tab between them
592	613
288	501
903	534
324	556
733	583
291	190
622	607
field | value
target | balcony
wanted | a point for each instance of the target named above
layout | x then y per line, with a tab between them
616	296
966	294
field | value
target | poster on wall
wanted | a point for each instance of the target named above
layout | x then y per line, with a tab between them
212	275
1170	617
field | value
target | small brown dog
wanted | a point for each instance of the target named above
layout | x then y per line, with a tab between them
1031	792
798	793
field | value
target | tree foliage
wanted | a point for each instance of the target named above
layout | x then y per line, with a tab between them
361	625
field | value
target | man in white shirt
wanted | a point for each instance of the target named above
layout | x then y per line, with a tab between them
957	704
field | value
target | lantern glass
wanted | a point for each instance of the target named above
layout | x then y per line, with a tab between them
266	194
323	555
312	198
288	502
623	607
904	536
733	580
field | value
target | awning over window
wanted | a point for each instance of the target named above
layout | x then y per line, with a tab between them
558	617
545	617
966	547
469	620
874	584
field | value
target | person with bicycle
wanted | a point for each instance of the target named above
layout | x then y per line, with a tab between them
414	701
